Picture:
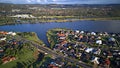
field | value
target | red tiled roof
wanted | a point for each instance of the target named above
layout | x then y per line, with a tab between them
64	42
2	32
80	36
52	66
107	61
7	59
61	35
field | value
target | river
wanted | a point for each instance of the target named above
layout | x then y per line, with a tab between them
41	28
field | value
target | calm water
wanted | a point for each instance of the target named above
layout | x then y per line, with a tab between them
41	29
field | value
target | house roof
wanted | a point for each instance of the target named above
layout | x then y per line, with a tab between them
61	35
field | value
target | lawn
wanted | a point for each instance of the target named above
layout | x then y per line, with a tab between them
22	60
24	53
32	37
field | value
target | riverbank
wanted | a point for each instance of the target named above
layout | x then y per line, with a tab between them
86	46
52	36
32	36
48	19
101	19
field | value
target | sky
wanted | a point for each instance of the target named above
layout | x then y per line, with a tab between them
61	1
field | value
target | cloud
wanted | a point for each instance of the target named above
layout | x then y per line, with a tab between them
28	1
61	1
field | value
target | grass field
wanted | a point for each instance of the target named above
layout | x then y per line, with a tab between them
24	59
26	55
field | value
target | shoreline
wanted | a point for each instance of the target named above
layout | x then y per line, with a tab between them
32	36
51	32
60	20
55	22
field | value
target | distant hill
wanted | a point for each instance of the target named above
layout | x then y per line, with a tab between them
61	11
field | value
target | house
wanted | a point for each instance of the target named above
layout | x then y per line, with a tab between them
62	38
93	33
95	60
52	66
106	34
61	35
8	59
14	43
111	39
77	31
101	34
98	37
99	42
2	32
88	50
76	36
12	33
5	60
82	32
3	39
81	36
78	55
1	50
63	42
116	52
97	51
107	63
12	58
109	55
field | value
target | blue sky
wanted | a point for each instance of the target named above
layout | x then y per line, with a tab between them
61	1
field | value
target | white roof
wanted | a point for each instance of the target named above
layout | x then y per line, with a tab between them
82	32
24	16
93	33
111	39
88	50
99	42
95	60
12	33
3	38
62	37
77	31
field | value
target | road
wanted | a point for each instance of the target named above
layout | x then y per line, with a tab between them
47	50
55	54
